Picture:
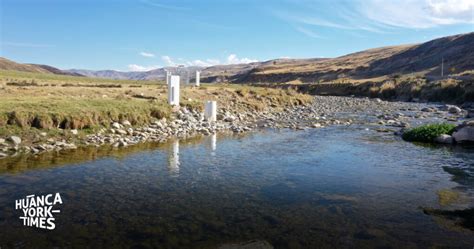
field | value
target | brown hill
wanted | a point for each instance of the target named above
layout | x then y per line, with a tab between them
6	64
423	59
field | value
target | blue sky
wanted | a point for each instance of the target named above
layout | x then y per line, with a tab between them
146	34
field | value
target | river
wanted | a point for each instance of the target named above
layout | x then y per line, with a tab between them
334	187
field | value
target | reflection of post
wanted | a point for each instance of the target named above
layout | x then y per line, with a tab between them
173	159
214	142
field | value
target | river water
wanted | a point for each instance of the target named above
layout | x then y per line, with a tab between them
335	187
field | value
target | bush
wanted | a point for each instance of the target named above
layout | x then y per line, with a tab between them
427	133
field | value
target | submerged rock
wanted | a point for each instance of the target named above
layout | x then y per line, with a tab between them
444	139
454	109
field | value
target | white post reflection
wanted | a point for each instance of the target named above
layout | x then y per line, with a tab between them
173	159
214	142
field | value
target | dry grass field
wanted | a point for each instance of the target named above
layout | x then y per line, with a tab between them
31	102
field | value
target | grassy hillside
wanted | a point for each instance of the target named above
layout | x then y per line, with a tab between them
11	65
377	64
11	76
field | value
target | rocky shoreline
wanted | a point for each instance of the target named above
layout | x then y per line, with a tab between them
379	115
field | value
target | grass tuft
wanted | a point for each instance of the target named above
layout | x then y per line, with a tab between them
427	133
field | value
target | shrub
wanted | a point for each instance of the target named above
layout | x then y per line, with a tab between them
427	133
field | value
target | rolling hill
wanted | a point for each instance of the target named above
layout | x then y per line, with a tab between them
6	64
457	53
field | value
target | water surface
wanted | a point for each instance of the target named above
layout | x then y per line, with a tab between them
342	187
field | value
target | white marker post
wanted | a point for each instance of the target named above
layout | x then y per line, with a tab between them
173	90
210	111
198	78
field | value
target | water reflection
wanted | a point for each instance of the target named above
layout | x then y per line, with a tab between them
173	158
294	189
213	144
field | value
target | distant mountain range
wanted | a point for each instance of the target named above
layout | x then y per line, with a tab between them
456	52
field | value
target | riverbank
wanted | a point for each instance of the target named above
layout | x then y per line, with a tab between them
240	109
455	90
38	116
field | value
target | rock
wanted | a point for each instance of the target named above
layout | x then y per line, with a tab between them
464	132
454	109
126	123
2	140
43	134
220	116
444	139
15	140
74	132
3	155
230	118
317	125
470	114
378	100
427	109
116	125
121	132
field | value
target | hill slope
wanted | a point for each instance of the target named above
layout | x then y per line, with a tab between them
6	64
376	64
424	59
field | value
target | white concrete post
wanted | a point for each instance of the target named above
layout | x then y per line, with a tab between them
198	78
210	111
173	90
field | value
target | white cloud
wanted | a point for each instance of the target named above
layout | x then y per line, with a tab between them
169	62
308	32
233	59
381	16
201	63
419	13
138	68
146	54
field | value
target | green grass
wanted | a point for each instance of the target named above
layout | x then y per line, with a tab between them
427	133
88	104
77	113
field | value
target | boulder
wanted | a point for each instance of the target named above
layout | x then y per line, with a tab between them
427	109
126	123
464	132
454	109
74	132
230	118
116	125
444	139
15	140
121	132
